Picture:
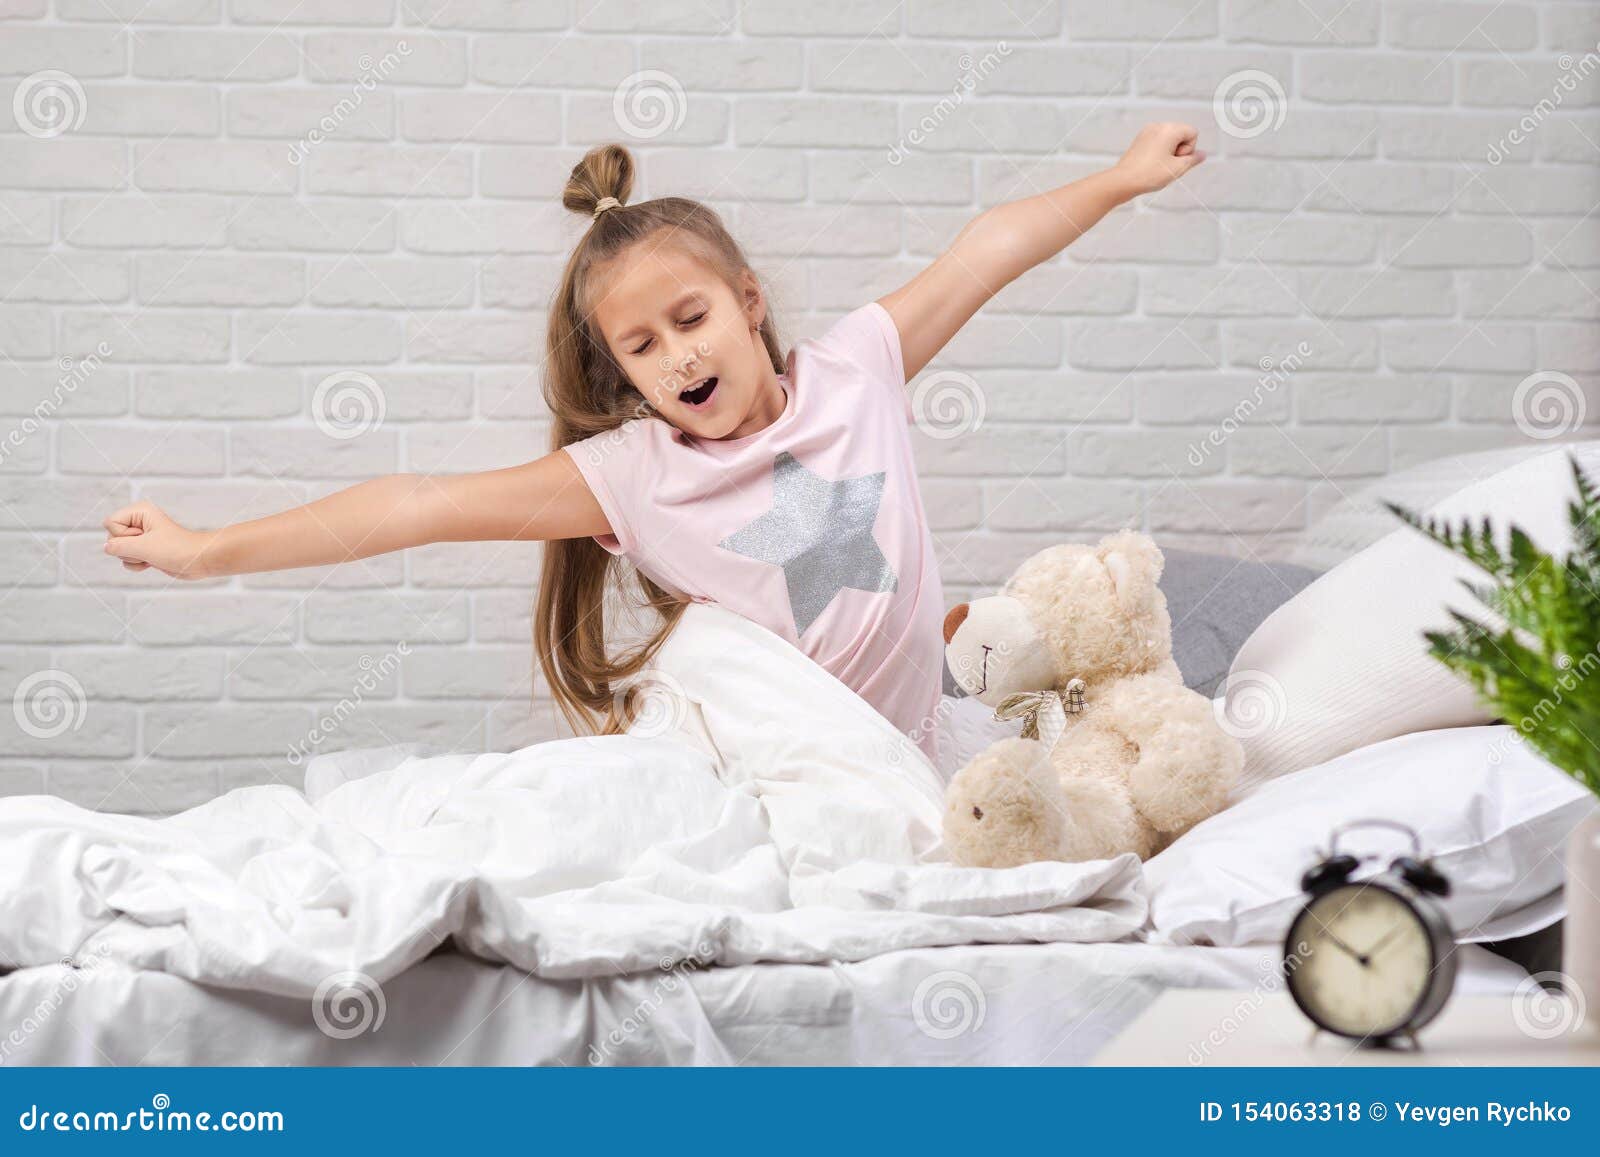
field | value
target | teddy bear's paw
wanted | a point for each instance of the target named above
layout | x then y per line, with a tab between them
1102	821
1176	789
1004	808
1094	751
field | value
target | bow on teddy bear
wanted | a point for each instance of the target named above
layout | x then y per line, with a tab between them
1117	755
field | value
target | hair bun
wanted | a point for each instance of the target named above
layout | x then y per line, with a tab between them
605	172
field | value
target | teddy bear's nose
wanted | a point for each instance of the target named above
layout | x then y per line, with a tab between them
953	620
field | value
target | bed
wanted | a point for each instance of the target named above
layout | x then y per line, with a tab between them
1217	901
1020	1002
1002	1004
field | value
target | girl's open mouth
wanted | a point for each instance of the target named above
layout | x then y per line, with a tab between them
700	395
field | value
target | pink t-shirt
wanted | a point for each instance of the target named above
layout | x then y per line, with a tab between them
812	527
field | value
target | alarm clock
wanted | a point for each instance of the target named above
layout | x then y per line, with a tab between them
1373	960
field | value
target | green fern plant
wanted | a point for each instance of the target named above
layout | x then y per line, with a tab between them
1539	668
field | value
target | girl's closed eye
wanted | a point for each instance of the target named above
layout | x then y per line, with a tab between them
686	323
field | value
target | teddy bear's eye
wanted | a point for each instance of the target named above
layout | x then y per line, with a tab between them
977	812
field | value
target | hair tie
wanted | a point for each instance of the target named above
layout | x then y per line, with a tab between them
605	203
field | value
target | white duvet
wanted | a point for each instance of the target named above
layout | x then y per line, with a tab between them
759	810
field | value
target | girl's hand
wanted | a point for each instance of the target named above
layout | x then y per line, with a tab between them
143	536
1159	155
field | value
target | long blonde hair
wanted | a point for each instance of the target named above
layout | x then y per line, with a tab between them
588	394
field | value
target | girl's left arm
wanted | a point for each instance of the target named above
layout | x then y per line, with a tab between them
1002	243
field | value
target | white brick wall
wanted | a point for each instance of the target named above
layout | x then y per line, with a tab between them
187	223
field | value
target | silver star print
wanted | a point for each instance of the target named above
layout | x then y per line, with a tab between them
820	533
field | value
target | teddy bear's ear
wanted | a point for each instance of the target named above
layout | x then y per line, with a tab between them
1134	562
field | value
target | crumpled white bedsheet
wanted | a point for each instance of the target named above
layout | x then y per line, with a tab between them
759	810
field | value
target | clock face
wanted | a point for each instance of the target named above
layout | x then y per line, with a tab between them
1359	960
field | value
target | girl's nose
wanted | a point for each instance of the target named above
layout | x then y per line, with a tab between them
686	361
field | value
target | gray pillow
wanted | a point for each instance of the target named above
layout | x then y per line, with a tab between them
1215	601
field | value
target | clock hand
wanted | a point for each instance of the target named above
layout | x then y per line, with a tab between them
1345	948
1384	939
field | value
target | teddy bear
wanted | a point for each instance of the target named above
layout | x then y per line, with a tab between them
1116	754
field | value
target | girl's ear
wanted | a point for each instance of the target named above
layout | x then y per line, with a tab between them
755	302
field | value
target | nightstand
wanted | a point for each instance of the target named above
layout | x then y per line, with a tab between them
1197	1027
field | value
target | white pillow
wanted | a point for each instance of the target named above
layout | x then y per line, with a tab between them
967	727
1343	663
1358	520
1493	814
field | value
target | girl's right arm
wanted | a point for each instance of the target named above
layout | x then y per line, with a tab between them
542	499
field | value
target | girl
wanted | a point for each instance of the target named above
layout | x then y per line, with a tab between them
782	488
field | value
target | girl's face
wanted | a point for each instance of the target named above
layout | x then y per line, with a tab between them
688	341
